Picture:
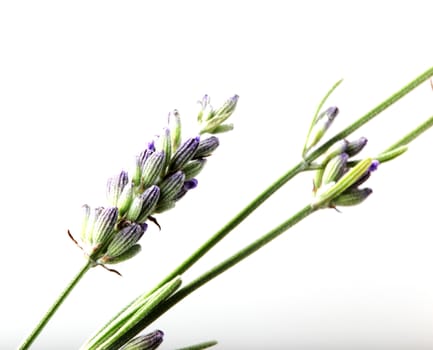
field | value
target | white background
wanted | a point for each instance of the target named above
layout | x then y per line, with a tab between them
85	84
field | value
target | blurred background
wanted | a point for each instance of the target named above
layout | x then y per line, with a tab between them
85	84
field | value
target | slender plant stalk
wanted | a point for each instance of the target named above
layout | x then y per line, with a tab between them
301	166
412	135
214	272
42	323
246	251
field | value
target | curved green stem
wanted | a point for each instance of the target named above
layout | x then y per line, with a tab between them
216	271
301	166
42	323
412	135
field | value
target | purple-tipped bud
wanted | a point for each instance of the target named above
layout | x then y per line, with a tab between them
354	147
184	153
150	199
152	169
171	185
124	240
321	125
332	113
206	147
104	226
335	168
151	146
145	342
115	186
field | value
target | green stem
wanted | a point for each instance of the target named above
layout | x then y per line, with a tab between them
42	323
412	135
217	270
373	113
218	236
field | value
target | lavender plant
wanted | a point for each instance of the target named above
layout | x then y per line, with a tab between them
166	170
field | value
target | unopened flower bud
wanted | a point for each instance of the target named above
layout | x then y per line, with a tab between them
104	226
352	196
125	199
145	342
171	185
213	121
123	240
193	168
115	185
184	153
140	160
176	128
206	147
354	147
128	254
322	124
164	144
150	199
187	185
335	168
165	205
152	169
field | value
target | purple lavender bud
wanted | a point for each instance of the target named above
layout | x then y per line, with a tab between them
150	199
171	185
190	184
152	168
374	165
206	147
104	226
184	153
145	342
354	147
125	239
115	186
332	112
193	168
151	146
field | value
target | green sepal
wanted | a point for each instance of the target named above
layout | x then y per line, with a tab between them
193	168
171	185
130	253
350	197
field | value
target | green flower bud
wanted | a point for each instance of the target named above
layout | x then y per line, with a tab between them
152	169
163	143
135	208
144	342
171	185
130	253
125	199
115	186
193	168
164	206
124	240
335	168
176	128
89	220
354	147
352	196
150	200
206	147
213	121
389	155
184	153
321	125
103	229
140	160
